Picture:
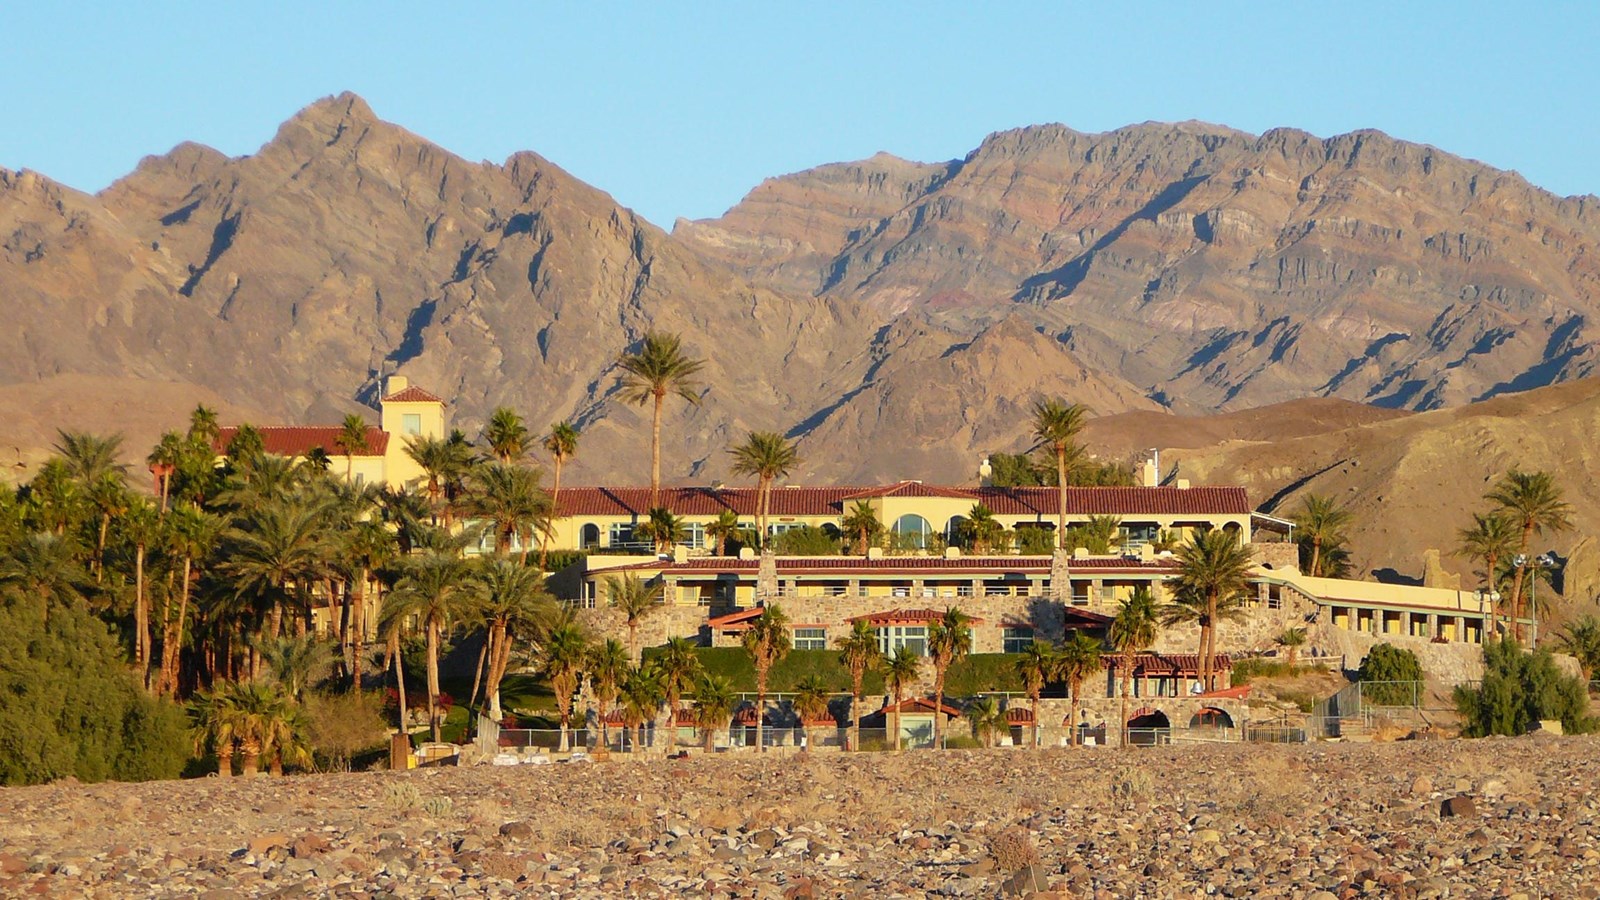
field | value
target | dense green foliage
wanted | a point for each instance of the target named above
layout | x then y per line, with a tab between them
807	540
70	707
974	674
1518	690
1039	470
1390	676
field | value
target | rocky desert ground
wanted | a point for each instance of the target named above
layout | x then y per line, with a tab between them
1493	818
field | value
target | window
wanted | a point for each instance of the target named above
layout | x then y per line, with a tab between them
912	531
1016	638
784	528
694	535
411	423
911	637
811	638
590	536
621	534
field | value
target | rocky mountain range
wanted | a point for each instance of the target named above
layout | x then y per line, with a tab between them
896	317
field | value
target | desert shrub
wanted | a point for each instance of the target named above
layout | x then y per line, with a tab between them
1012	849
1519	689
961	742
339	726
807	540
1035	541
401	796
69	706
1385	675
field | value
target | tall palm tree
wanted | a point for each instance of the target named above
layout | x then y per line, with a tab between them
635	599
562	656
678	668
608	671
1056	425
437	588
191	534
949	642
1037	665
276	552
352	440
1321	522
513	502
713	707
562	445
1080	659
297	662
810	704
862	525
513	604
660	367
141	526
1491	539
506	435
641	699
1581	640
164	460
859	653
767	641
444	462
767	456
1213	571
1134	628
1533	501
900	672
722	529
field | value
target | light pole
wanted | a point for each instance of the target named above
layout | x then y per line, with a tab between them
1546	560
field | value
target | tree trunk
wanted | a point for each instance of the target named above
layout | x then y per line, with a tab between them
433	679
399	679
896	726
1061	490
141	615
761	705
497	672
251	764
276	766
225	760
565	716
1075	694
655	453
100	548
1127	691
555	500
358	632
478	669
1038	733
1316	557
633	641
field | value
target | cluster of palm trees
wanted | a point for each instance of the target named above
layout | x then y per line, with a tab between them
1521	505
1320	523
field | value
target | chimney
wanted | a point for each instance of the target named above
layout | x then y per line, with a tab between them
1149	475
395	384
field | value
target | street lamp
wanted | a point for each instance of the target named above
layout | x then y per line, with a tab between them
1546	560
1488	599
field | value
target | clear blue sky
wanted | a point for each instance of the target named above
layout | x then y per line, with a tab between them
679	109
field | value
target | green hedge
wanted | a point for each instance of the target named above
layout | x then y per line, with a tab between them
976	674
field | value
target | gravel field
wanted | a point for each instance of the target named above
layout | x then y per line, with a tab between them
1493	818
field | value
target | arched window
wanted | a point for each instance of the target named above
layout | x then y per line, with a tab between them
590	536
952	530
912	531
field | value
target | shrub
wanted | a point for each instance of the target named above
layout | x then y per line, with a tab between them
1388	675
556	560
1518	690
69	706
1012	849
339	726
806	540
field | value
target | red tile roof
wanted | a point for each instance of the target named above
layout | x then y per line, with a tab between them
1042	504
916	705
1165	663
1019	715
298	440
906	617
411	395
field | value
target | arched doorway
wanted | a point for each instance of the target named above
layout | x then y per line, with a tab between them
1210	717
1148	726
952	530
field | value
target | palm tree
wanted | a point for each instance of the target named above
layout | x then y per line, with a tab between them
659	368
608	671
164	460
1037	665
444	461
437	588
46	568
1213	570
1490	539
506	436
1533	501
662	529
721	529
211	722
283	740
253	707
900	672
352	440
641	699
1056	425
767	641
1102	534
1291	640
985	716
1581	641
981	530
513	604
297	662
1321	522
767	456
141	526
679	668
510	498
949	642
1132	630
862	524
366	547
562	444
810	704
191	533
562	655
860	654
713	707
1080	659
635	599
276	552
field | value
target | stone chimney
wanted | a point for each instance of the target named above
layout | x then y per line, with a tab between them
767	575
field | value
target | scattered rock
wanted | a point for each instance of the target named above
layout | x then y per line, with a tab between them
1459	805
